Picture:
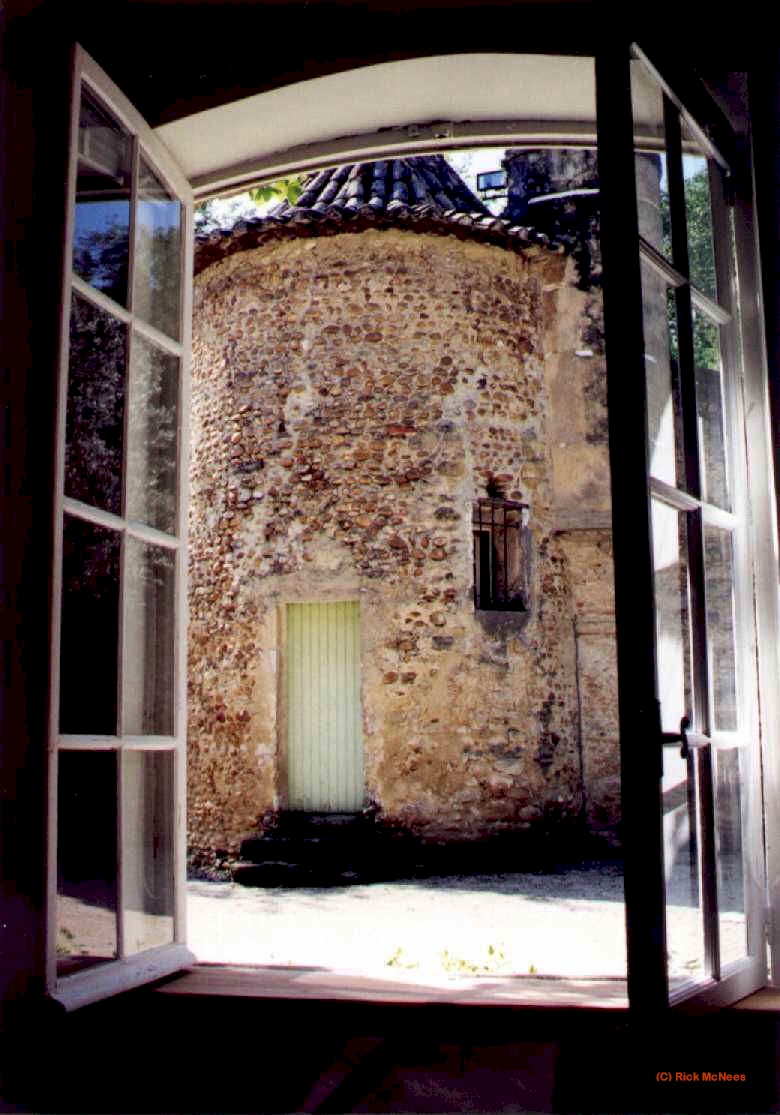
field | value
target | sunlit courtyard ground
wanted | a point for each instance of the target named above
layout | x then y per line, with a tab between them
569	924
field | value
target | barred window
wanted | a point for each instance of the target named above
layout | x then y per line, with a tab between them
499	568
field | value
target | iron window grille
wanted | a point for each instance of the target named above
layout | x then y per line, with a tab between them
499	565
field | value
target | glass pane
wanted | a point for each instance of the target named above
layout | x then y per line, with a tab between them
86	859
652	182
684	921
663	397
147	668
698	213
728	850
90	629
153	436
709	410
721	640
157	267
672	616
95	411
102	219
147	848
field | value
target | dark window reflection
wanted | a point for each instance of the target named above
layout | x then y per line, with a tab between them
156	293
96	394
102	231
153	436
86	859
90	629
149	638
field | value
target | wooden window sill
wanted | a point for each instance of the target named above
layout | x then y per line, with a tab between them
246	981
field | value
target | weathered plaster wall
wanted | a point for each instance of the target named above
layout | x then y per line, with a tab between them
353	394
579	450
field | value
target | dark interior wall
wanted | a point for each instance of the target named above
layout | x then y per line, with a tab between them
34	76
149	1052
764	93
173	57
176	58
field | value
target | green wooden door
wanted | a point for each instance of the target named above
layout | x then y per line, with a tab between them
324	733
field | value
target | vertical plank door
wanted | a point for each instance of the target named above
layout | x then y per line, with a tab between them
324	735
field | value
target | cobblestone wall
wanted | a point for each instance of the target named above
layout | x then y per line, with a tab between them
352	396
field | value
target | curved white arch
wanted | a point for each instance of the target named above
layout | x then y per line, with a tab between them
413	105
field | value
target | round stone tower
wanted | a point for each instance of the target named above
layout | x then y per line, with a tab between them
386	569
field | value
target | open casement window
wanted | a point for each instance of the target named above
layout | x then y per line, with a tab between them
118	721
686	389
681	377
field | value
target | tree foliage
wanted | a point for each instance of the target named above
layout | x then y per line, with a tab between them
701	258
218	213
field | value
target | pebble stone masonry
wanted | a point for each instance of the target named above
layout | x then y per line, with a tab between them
366	365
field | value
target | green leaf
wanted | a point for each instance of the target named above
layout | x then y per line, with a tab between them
285	189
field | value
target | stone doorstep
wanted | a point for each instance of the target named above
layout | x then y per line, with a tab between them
293	821
301	849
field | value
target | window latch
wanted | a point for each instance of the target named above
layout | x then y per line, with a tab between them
680	737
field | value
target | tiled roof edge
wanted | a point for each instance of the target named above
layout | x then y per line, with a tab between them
214	246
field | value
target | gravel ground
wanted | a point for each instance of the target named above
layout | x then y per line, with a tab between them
565	923
569	923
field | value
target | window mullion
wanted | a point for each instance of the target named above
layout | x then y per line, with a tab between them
133	229
709	308
123	557
122	638
132	527
97	297
87	742
104	302
157	337
120	856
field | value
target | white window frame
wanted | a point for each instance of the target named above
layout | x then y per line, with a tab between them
137	968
